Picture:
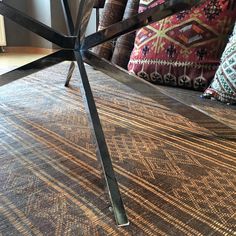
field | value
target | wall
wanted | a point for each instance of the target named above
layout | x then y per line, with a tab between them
92	23
57	18
43	11
15	34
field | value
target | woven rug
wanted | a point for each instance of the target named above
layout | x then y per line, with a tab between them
220	111
175	165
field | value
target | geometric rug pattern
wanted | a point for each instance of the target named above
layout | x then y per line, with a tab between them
176	167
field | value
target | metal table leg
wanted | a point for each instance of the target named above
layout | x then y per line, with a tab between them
73	46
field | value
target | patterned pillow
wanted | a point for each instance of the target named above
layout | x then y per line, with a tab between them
183	50
223	86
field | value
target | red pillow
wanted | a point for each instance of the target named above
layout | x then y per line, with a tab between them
183	50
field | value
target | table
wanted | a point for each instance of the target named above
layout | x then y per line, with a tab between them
75	47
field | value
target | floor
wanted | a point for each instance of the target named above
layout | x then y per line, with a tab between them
14	57
175	164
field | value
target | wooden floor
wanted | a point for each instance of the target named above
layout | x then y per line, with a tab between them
14	57
176	165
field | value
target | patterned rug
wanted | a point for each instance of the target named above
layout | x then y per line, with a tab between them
217	110
175	165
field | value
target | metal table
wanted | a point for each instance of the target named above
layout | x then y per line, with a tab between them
75	47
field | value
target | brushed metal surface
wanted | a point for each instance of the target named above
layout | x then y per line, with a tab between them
75	48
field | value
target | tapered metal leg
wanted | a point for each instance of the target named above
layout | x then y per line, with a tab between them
70	73
68	17
103	153
84	13
71	30
97	18
85	9
83	16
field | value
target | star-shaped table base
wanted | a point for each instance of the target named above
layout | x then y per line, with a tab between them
75	47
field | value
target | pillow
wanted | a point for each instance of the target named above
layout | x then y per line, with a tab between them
223	86
112	12
183	50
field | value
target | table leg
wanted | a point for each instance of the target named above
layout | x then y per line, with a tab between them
103	153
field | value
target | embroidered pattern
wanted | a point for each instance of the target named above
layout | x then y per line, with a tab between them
183	50
212	9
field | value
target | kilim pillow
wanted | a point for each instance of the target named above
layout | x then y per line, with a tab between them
112	13
183	50
223	86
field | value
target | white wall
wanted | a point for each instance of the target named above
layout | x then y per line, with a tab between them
57	18
42	11
92	23
15	34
